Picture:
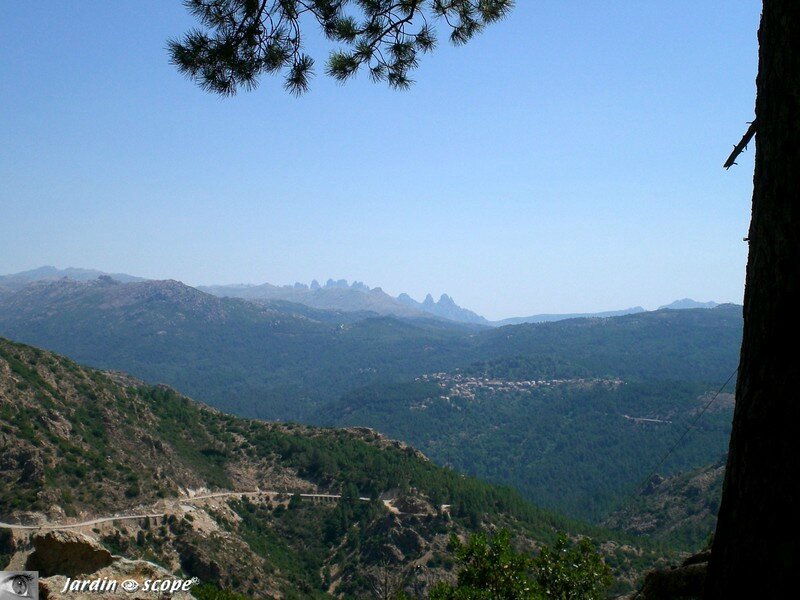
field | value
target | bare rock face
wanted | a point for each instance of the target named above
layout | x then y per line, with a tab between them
66	553
64	557
411	504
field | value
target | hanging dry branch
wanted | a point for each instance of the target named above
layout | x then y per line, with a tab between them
741	146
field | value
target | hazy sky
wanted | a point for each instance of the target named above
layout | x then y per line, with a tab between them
568	159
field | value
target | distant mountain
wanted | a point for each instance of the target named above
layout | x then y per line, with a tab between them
16	281
687	303
290	362
334	295
270	360
682	345
445	308
339	295
282	360
550	318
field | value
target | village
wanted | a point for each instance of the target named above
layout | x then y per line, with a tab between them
466	386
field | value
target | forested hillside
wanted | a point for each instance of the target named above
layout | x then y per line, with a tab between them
680	510
625	387
283	361
246	358
78	444
580	446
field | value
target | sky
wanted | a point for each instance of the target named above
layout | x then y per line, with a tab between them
568	159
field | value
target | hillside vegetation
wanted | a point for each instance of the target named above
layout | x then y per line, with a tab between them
283	361
258	361
580	446
78	443
679	509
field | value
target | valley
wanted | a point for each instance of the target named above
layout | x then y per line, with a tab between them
573	413
154	476
577	446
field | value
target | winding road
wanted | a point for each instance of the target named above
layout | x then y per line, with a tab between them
183	499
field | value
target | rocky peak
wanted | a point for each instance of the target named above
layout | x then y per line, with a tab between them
340	283
446	300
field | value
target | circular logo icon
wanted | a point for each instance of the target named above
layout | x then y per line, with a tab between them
130	586
19	585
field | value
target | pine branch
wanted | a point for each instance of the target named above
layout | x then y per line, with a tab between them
240	39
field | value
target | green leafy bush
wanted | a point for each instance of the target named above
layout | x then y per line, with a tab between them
492	569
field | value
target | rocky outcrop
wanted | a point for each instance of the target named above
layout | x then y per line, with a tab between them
66	553
62	557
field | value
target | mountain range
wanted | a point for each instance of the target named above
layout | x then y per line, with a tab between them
17	281
550	318
573	414
688	303
284	361
624	385
355	297
338	296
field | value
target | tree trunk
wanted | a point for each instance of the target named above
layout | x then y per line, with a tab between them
756	550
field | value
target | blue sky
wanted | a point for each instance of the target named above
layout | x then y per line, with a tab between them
567	159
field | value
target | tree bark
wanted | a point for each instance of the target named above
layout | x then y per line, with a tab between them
756	549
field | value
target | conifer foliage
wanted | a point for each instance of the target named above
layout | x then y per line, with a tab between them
238	40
